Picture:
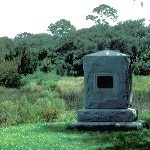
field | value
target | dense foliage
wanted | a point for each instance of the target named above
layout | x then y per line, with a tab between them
63	53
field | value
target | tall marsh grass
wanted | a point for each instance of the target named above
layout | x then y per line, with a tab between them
141	94
49	97
71	90
34	102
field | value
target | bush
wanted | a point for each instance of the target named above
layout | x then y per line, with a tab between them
8	114
28	62
141	101
45	66
141	68
9	75
10	79
26	112
22	111
49	108
18	112
49	81
46	80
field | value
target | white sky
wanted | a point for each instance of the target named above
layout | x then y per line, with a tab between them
34	16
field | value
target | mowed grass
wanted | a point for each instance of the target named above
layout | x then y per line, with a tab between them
44	136
55	135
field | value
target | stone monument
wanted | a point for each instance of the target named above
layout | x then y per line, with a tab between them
107	92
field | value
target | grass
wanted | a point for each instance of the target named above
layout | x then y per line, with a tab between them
34	102
71	90
43	93
141	94
55	136
42	136
141	83
65	92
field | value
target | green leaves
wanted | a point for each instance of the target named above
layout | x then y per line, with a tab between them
28	62
103	14
61	27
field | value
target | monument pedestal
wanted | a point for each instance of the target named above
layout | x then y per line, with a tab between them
110	119
107	115
94	126
107	93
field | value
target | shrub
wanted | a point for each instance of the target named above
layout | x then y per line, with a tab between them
49	108
141	68
141	94
22	111
8	114
28	62
141	101
49	81
11	79
18	112
9	75
46	80
26	112
45	66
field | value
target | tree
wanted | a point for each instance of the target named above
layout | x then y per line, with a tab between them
6	48
102	14
61	27
28	62
22	35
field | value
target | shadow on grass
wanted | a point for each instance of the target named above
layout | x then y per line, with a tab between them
54	128
104	138
135	139
68	127
147	123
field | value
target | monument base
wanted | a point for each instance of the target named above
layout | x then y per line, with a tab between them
92	126
107	115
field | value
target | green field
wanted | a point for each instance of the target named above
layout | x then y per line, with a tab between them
37	115
56	136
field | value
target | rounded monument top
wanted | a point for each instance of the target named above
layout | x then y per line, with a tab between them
107	53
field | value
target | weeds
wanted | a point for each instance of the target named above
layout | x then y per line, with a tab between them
49	97
71	90
35	102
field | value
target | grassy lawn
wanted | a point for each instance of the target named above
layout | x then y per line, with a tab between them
55	100
43	136
56	136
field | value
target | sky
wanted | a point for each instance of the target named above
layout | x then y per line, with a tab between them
34	16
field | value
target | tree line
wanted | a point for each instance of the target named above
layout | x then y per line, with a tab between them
63	48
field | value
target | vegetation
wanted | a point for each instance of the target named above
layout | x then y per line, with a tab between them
56	136
37	83
48	98
63	49
35	102
61	28
102	13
